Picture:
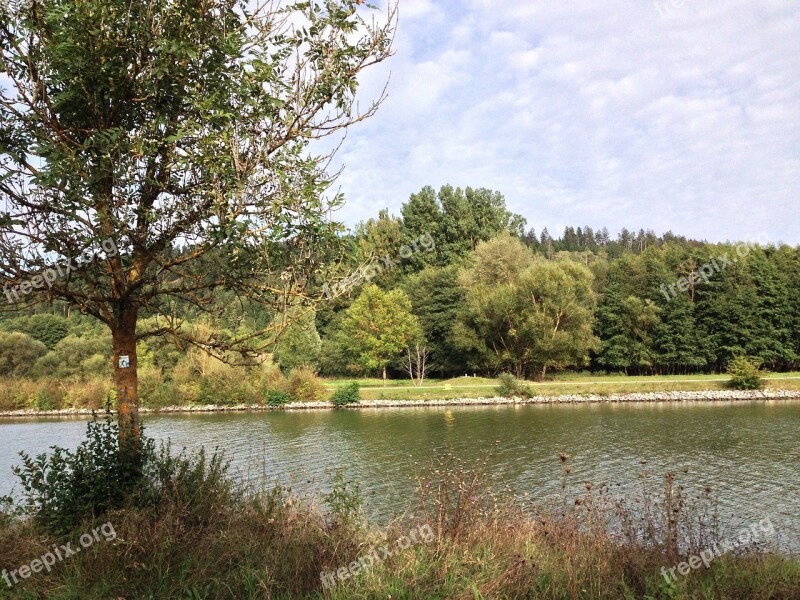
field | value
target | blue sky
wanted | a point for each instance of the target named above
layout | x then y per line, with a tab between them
673	115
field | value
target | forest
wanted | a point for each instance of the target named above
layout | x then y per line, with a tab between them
458	284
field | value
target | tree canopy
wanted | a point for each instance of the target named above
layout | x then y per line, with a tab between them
155	154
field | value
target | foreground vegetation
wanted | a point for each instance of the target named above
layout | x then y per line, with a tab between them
185	530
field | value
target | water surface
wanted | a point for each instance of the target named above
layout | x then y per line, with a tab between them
749	453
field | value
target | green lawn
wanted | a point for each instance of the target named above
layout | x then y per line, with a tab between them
559	384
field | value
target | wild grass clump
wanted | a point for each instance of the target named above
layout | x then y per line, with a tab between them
511	387
53	394
454	496
198	535
304	385
264	546
65	487
594	546
183	528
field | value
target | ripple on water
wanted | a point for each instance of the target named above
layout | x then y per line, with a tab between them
746	452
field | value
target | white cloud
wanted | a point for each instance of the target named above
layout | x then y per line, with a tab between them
592	113
414	9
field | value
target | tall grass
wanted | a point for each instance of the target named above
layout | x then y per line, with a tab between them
204	537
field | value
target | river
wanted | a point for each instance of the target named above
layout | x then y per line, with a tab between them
747	452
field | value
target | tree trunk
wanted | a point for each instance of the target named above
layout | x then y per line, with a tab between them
384	376
123	336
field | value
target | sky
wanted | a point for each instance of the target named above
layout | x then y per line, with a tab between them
673	115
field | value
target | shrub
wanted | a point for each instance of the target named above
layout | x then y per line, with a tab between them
227	386
39	395
744	374
304	386
511	386
277	397
95	393
11	396
42	400
154	391
272	378
347	394
344	501
205	393
65	487
272	387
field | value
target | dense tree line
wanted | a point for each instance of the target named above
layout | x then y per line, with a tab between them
456	285
496	297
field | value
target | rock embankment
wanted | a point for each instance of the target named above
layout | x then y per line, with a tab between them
696	396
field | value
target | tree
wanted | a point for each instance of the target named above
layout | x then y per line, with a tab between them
532	314
75	357
787	260
156	153
530	239
416	362
570	239
494	307
500	261
378	327
299	345
679	344
457	220
771	338
628	325
378	245
437	299
558	323
422	214
18	352
48	329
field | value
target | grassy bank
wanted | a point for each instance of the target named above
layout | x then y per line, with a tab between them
470	387
194	534
266	387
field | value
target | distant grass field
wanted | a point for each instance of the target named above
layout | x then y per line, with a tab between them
559	384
